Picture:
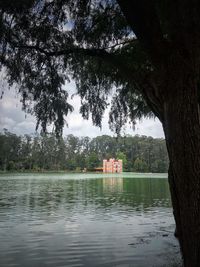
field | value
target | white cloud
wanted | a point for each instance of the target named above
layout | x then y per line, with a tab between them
15	120
150	127
12	117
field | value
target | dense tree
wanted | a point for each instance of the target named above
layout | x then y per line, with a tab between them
93	161
9	150
147	50
25	153
140	165
47	152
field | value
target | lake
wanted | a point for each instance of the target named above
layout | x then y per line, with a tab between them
86	220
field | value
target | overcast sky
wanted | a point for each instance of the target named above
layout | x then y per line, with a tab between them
16	121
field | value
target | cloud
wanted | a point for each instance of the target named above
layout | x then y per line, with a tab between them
12	117
16	121
149	127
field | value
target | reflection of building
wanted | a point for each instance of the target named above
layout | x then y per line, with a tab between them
112	165
113	184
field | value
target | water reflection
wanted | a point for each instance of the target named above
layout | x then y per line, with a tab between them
113	184
52	195
113	221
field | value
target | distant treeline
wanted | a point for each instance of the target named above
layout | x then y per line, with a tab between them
46	152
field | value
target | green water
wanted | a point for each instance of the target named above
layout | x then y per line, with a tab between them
86	220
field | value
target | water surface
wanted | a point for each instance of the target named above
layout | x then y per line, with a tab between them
86	220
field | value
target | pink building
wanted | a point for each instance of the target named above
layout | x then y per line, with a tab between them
112	165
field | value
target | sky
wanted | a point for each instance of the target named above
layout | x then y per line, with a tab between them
16	121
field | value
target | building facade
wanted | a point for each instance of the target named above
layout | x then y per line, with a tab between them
112	166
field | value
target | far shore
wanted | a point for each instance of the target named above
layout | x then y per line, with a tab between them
72	171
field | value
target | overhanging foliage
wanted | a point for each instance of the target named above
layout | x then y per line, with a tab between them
44	44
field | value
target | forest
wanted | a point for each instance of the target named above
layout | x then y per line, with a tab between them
46	152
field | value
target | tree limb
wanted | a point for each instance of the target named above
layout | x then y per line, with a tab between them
141	84
110	57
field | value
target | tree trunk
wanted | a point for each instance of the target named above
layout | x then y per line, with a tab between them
182	131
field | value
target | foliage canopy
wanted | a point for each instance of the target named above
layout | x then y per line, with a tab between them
46	43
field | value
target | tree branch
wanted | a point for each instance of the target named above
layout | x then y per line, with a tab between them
115	60
140	83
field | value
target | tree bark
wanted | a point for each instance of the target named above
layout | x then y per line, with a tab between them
181	125
176	63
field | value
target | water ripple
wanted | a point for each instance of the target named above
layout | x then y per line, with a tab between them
48	220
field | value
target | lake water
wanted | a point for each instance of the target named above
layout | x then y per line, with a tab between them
86	220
